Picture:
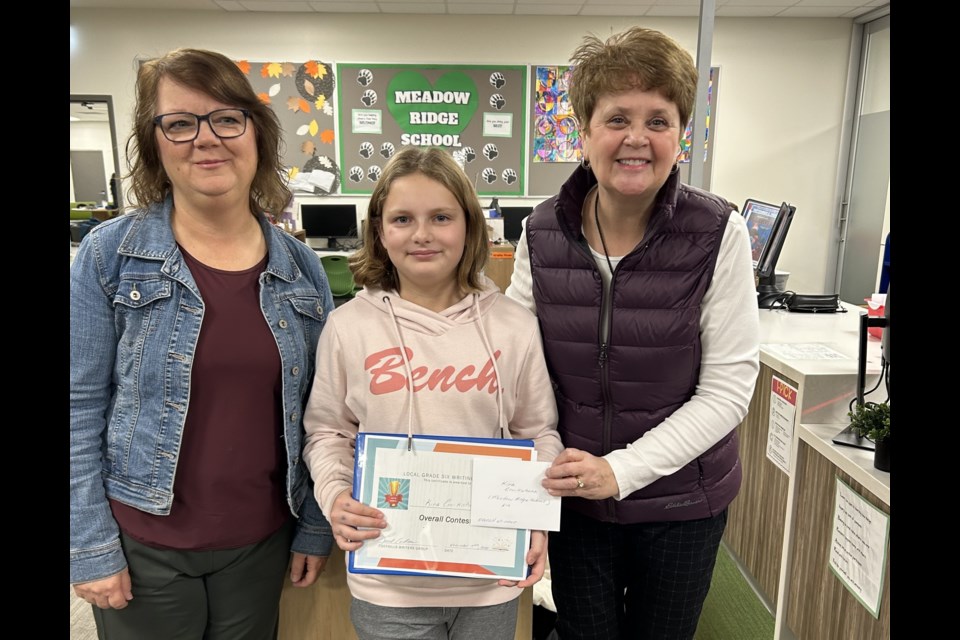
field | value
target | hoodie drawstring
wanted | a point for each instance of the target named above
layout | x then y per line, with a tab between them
493	360
406	363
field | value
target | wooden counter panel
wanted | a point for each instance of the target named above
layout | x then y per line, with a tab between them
500	265
322	610
819	606
757	516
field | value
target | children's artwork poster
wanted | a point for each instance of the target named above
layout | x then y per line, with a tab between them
556	136
687	141
302	96
475	112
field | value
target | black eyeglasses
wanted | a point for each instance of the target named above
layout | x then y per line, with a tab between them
183	126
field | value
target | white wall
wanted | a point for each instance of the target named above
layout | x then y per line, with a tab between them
780	98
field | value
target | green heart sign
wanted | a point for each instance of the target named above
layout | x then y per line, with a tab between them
446	107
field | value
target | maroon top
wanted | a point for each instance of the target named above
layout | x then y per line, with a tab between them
228	490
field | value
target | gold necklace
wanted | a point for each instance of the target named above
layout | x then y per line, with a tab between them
603	243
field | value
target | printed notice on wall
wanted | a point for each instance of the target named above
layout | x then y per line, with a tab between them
858	547
783	409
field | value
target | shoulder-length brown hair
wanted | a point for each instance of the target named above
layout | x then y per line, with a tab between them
371	265
217	76
639	58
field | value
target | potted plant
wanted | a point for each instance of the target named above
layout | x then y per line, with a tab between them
871	420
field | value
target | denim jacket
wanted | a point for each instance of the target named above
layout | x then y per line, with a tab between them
135	316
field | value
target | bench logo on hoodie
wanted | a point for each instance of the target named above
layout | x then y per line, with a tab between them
388	374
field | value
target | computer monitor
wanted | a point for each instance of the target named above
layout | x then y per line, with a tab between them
513	222
767	261
772	241
333	222
759	217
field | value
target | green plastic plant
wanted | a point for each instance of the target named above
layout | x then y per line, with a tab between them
871	420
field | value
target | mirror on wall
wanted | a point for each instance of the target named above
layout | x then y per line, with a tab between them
93	150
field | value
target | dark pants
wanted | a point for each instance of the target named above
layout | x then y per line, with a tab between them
638	581
230	594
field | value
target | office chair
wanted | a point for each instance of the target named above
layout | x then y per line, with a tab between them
338	275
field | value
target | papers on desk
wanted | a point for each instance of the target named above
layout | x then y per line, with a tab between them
427	495
803	351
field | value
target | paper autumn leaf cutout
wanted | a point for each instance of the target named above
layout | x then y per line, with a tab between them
244	66
294	171
303	130
325	162
296	104
264	98
326	136
314	127
319	103
288	69
308	87
274	89
328	109
308	148
315	69
271	70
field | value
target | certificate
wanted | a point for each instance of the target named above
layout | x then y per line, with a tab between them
425	495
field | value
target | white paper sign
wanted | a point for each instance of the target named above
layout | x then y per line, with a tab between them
367	121
498	125
858	546
507	493
783	411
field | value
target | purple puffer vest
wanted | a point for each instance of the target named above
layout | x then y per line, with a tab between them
609	398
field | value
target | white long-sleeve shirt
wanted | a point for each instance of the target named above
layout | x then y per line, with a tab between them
730	361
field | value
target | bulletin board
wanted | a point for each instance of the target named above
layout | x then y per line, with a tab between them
302	95
478	113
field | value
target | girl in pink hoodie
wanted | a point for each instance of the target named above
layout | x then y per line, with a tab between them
426	313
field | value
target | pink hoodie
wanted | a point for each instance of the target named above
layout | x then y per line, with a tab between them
360	385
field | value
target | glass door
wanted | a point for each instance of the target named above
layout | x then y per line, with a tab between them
865	207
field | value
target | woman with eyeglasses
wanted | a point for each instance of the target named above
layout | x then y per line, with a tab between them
194	325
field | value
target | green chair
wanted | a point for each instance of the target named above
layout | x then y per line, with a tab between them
338	275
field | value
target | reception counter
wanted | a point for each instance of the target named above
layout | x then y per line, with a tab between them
781	524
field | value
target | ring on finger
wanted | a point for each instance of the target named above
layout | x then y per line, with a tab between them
579	482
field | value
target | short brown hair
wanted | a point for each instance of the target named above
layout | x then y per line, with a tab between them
219	77
371	265
637	58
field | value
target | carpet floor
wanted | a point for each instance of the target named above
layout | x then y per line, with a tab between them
733	610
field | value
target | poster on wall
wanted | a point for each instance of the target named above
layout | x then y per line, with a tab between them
475	112
302	96
687	141
556	136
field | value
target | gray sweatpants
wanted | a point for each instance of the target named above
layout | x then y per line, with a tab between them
494	622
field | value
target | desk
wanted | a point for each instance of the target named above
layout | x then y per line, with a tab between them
500	265
103	214
779	524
